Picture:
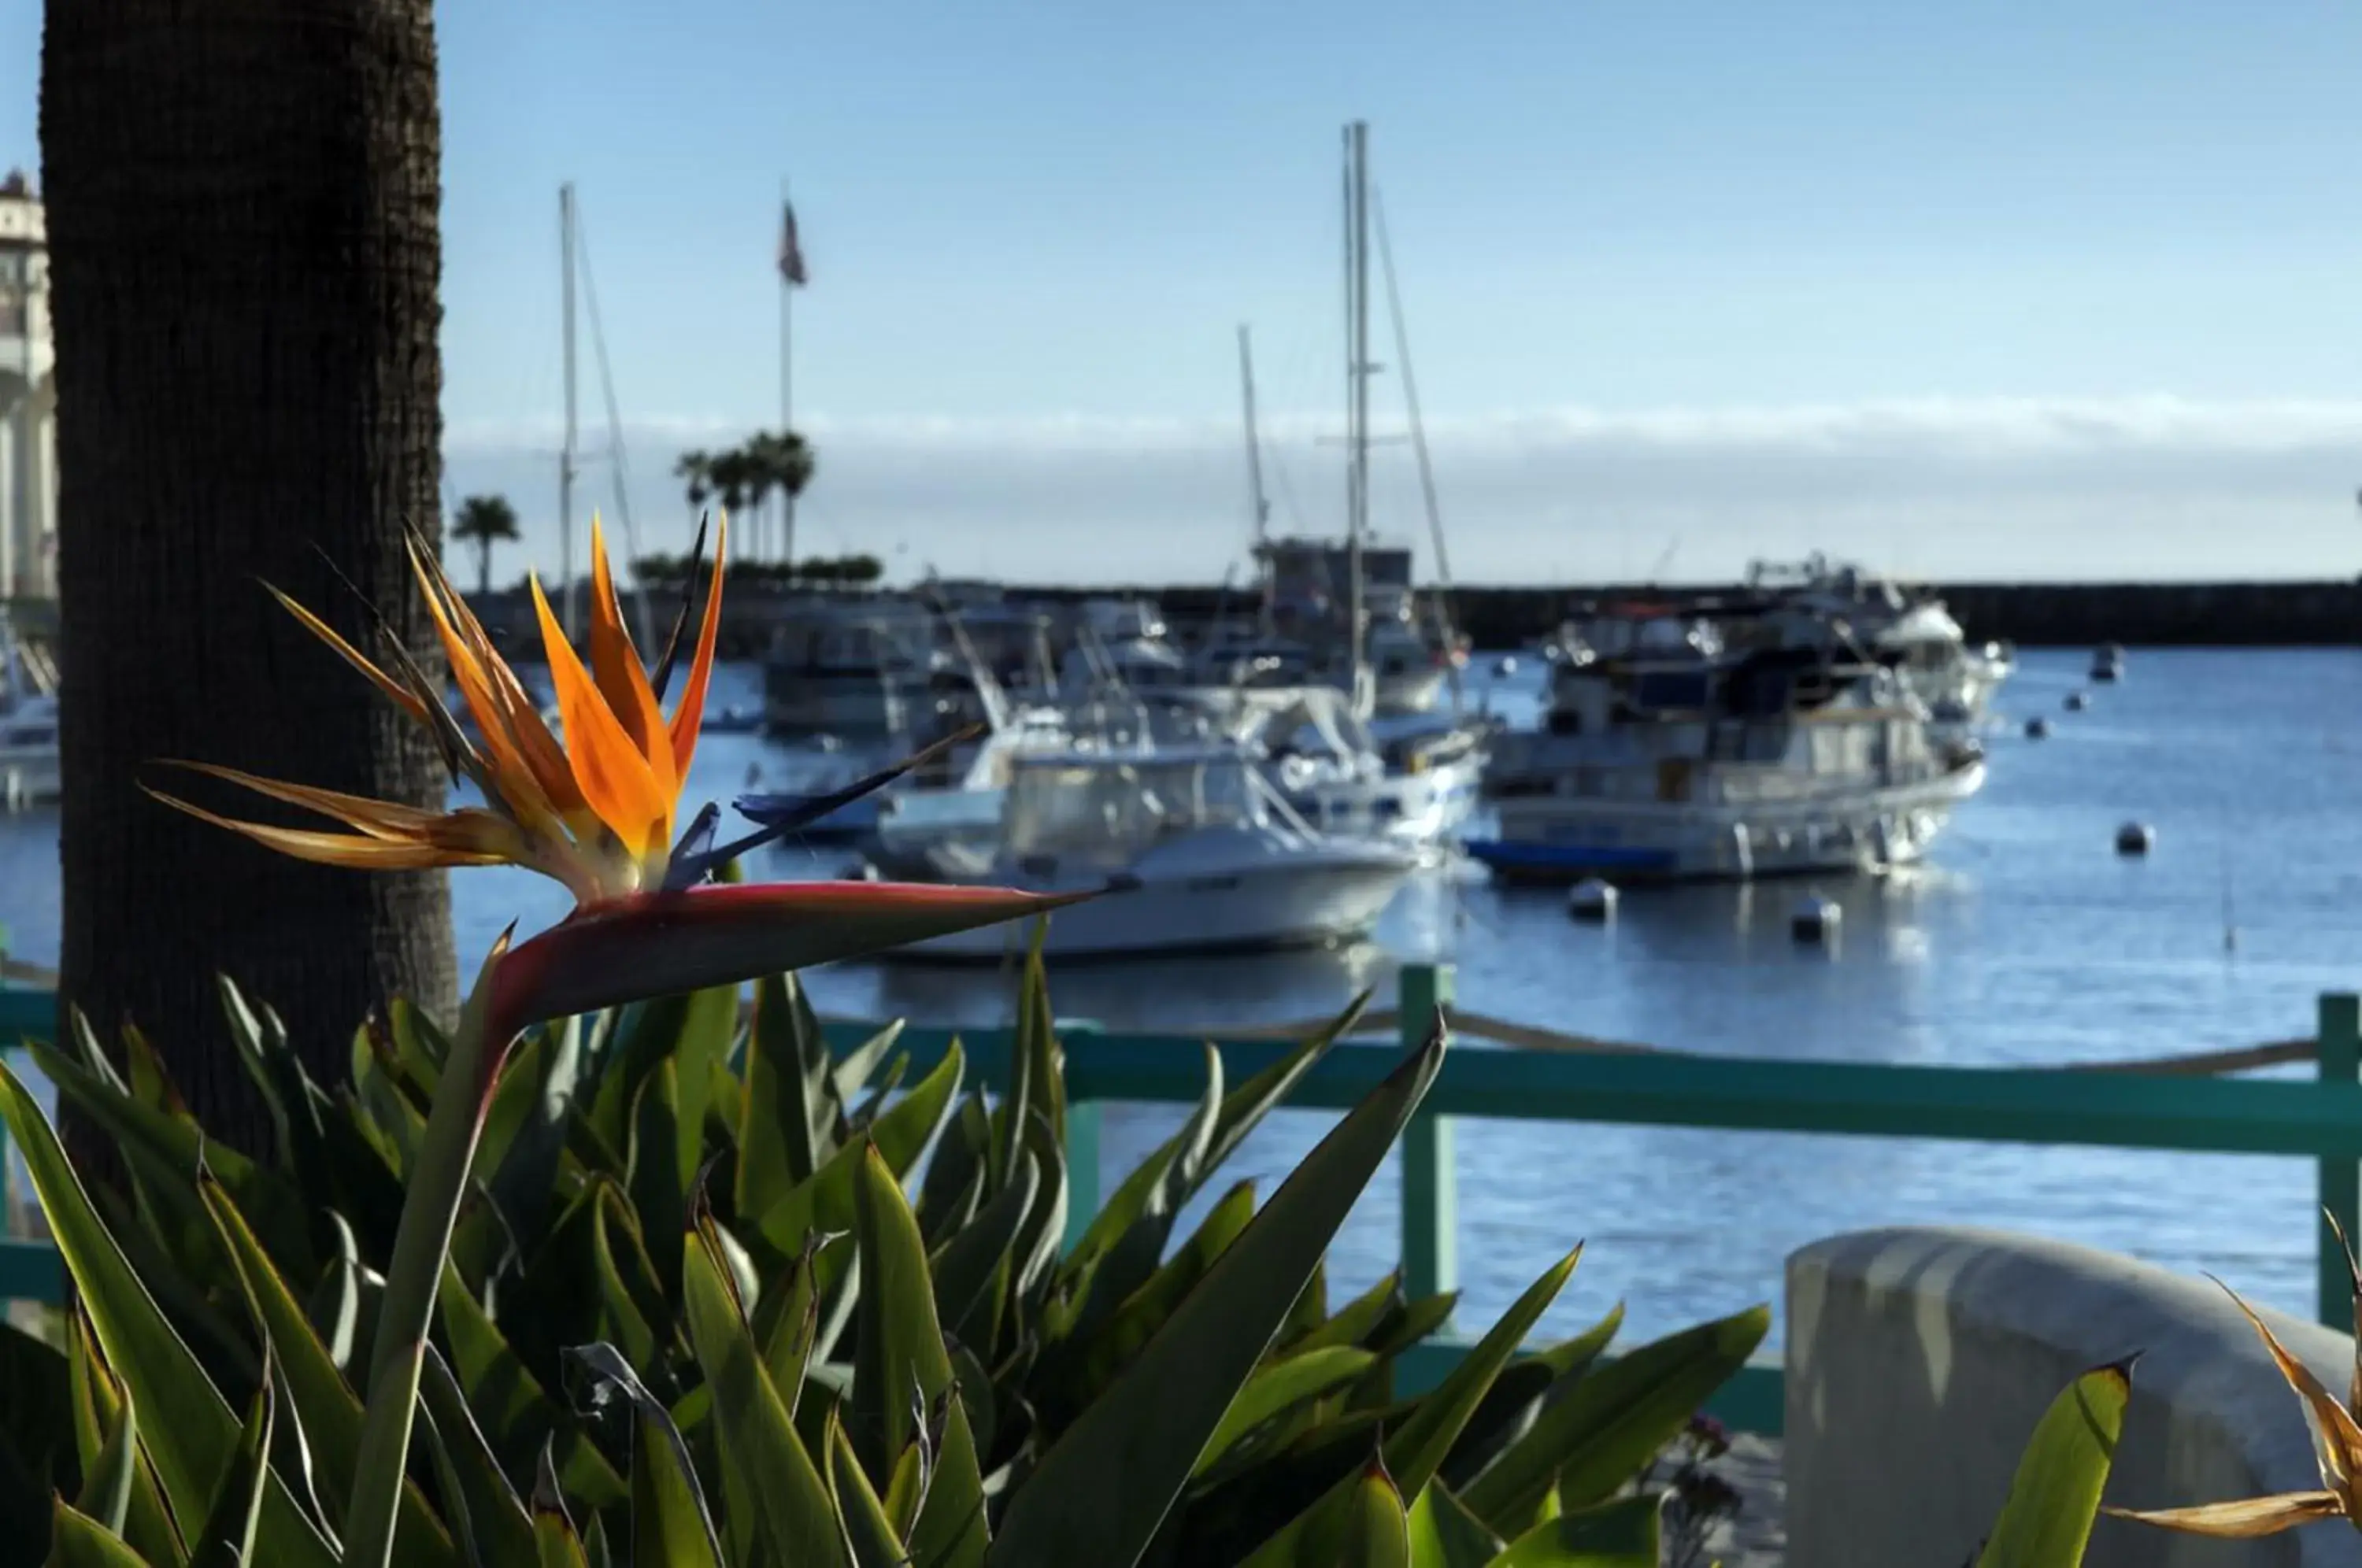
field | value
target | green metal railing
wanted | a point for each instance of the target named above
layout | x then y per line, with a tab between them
2320	1120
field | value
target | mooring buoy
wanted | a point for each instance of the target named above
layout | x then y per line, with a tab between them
2037	729
1592	899
2134	838
1815	920
2076	701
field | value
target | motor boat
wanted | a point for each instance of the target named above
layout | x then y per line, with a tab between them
1197	852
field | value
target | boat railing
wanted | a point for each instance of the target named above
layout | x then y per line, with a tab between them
2181	1104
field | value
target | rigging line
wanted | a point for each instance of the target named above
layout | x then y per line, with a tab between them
619	467
1419	445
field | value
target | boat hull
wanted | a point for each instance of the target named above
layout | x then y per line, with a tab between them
1291	905
1555	840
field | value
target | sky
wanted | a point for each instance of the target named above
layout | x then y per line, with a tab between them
1998	291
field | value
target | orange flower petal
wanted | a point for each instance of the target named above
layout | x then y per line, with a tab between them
615	778
511	776
616	665
403	698
350	850
689	713
542	756
470	829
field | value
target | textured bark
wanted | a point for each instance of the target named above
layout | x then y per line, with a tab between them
243	209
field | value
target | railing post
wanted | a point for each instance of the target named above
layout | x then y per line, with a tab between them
1430	1219
2340	1062
1082	1168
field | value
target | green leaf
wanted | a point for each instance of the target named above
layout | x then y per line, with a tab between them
1279	1387
957	1178
670	1523
867	1527
497	1518
825	1202
1622	1534
1597	1438
524	1170
855	1069
191	1430
900	1363
1101	1491
1124	1241
1082	1371
1510	1406
1378	1530
1416	1449
554	1536
971	1272
759	1439
778	1145
77	1541
519	1416
100	1405
233	1526
296	1106
791	1323
168	1148
1357	1319
106	1488
2055	1494
313	1388
1416	1446
1444	1534
658	1194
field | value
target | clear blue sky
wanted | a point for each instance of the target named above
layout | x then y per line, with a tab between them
1031	213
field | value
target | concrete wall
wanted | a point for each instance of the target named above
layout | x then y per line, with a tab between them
1920	1359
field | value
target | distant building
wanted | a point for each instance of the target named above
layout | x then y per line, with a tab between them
29	399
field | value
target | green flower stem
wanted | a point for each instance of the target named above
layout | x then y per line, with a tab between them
429	1212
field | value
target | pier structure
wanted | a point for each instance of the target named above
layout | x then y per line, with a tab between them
28	398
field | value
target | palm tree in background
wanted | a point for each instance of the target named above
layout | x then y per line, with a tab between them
484	521
245	243
695	470
743	478
783	464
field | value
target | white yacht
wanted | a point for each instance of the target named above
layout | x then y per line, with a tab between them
1678	757
1822	603
1198	851
860	667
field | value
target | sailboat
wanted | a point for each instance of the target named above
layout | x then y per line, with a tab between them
1343	612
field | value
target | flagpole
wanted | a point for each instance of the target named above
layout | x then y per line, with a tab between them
786	390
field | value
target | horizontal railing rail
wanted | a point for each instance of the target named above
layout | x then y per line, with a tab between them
2146	1105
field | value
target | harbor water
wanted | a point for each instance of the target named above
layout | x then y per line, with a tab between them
2027	940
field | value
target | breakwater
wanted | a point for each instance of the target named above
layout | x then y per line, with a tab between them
2036	615
1497	615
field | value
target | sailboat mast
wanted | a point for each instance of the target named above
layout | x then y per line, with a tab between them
566	454
1259	507
1357	246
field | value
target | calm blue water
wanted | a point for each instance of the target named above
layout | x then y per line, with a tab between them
2027	940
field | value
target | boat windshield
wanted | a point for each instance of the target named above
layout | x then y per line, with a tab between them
1110	809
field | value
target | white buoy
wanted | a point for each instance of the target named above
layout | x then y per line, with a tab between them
2036	728
1815	920
1592	899
2076	703
1506	665
2134	838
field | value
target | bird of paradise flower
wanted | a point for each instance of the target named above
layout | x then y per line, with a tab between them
595	809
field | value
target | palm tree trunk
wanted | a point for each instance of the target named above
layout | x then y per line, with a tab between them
244	229
484	567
